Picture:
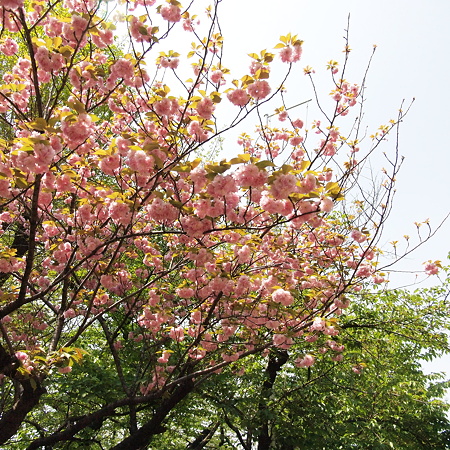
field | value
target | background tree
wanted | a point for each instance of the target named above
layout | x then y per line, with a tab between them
377	397
156	270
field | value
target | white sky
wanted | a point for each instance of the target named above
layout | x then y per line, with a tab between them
411	61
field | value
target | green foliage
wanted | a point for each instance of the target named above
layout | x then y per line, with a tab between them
379	397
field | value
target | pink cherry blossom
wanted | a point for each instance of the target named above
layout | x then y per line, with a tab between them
21	356
171	13
12	4
291	54
282	116
216	76
250	175
164	358
222	185
306	361
205	108
177	334
318	324
284	185
326	205
296	140
238	97
185	292
197	132
259	89
283	297
139	31
9	47
358	236
286	54
244	254
162	211
188	25
431	268
171	63
76	132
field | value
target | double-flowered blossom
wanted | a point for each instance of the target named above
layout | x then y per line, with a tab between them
113	220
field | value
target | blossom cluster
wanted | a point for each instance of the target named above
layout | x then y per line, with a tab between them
206	261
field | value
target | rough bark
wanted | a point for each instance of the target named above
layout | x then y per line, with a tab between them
143	436
277	359
10	422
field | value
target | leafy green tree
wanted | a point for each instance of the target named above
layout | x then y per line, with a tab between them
378	397
138	281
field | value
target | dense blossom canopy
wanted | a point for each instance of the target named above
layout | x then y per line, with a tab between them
116	234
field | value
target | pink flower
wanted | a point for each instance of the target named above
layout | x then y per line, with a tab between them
66	369
326	205
431	268
164	358
284	185
238	97
298	123
69	313
139	31
283	297
364	271
171	63
222	185
164	107
282	116
197	132
21	356
216	76
110	163
286	54
103	38
317	325
122	68
9	47
117	345
308	184
177	334
12	4
185	292
53	27
205	108
76	132
297	53
187	25
279	339
75	31
162	211
171	13
244	254
296	140
259	89
250	175
291	54
120	212
357	236
306	361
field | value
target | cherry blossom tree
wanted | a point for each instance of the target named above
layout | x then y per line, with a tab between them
378	395
131	269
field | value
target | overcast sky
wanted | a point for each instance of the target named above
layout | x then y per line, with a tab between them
411	61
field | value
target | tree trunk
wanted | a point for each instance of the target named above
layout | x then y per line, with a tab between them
141	438
277	358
